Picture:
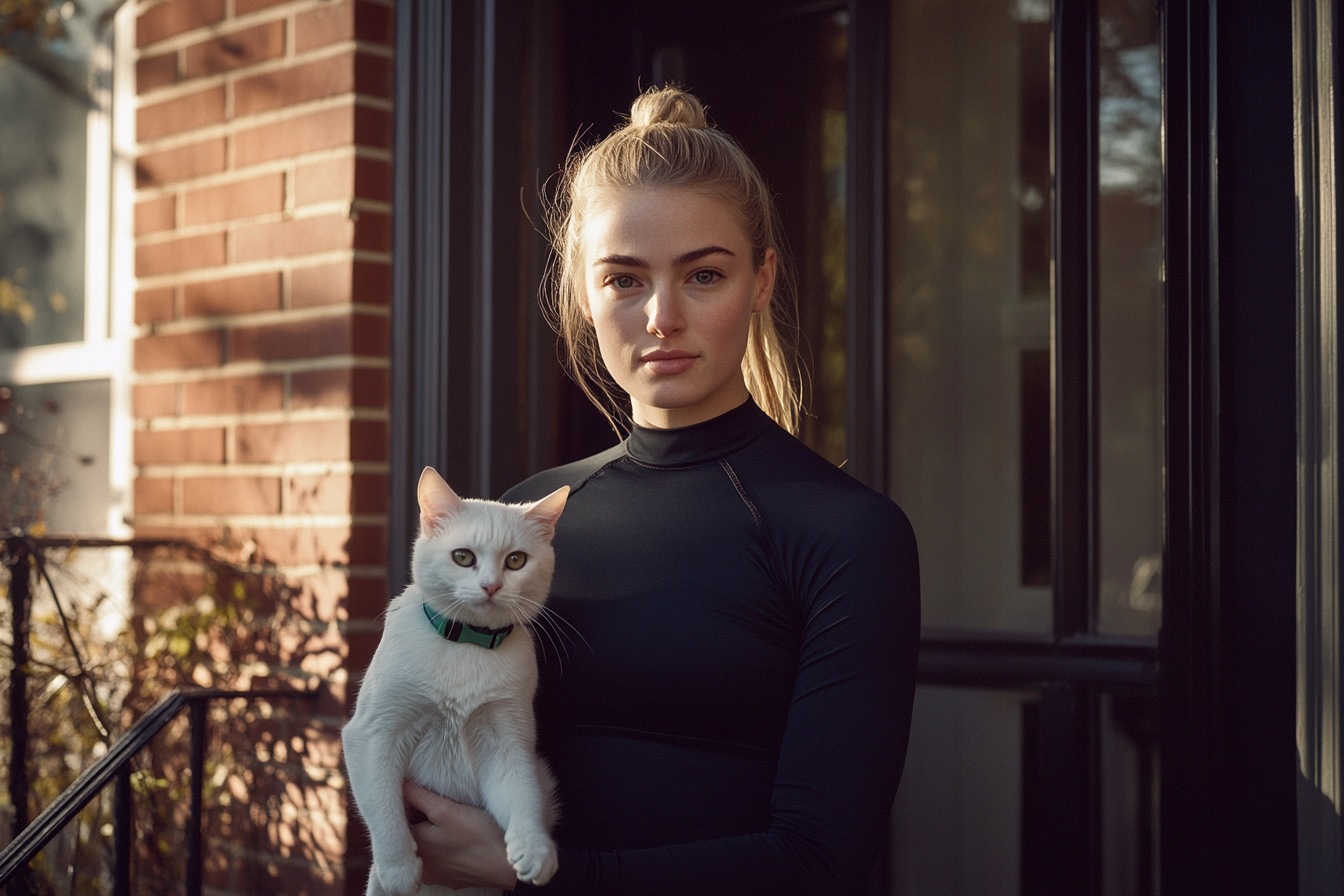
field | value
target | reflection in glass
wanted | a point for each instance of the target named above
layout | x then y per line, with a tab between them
973	369
46	90
823	246
1129	316
957	819
55	453
969	311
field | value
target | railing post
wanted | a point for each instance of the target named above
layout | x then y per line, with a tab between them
20	598
123	833
194	877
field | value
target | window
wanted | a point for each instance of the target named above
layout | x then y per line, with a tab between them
64	272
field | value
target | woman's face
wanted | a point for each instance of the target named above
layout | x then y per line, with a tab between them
671	289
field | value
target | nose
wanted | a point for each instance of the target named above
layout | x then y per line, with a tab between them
664	313
490	588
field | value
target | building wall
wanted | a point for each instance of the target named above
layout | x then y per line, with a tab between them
262	258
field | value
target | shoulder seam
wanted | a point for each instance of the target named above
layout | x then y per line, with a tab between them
598	472
742	493
781	578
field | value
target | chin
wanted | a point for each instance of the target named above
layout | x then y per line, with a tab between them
670	401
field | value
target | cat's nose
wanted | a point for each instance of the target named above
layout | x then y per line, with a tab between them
490	588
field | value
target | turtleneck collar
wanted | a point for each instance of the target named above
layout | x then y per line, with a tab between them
699	443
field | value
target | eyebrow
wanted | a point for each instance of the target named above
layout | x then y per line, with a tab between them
694	255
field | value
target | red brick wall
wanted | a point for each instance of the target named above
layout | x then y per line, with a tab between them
263	240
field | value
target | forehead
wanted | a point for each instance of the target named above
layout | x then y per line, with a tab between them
658	223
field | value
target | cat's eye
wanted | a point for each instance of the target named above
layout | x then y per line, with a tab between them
464	557
515	560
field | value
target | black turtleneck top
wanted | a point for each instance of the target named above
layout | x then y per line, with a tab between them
727	701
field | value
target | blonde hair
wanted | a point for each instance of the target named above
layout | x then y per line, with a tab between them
668	143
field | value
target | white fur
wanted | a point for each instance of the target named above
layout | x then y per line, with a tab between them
457	717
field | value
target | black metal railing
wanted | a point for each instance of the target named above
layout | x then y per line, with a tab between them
115	766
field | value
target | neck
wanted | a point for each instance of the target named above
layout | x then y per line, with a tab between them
676	418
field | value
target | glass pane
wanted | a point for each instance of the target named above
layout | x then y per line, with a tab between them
970	816
822	292
956	824
54	458
969	305
805	168
1129	314
45	102
1129	799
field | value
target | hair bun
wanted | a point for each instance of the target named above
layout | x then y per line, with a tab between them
667	105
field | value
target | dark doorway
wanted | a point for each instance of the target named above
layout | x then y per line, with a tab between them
773	76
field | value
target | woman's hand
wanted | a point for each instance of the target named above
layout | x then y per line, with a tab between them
460	846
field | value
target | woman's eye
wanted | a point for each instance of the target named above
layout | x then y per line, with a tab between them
623	281
464	557
705	278
515	560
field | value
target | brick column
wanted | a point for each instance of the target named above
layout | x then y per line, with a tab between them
263	242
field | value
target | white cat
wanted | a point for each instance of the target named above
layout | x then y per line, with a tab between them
447	700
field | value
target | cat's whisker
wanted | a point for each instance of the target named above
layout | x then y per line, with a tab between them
559	638
516	615
539	611
553	616
544	635
540	642
531	613
536	607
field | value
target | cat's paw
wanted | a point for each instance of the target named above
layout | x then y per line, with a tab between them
398	878
532	856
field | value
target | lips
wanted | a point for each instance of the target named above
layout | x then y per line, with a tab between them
667	363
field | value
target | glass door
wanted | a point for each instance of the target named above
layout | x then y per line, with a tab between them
1024	411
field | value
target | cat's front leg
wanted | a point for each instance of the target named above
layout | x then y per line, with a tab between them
377	757
502	741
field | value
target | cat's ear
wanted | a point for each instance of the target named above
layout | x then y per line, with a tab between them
437	501
547	510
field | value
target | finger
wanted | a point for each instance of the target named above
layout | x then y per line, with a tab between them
418	797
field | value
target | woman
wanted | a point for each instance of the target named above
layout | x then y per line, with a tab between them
734	717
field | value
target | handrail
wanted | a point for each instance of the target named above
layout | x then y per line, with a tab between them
31	840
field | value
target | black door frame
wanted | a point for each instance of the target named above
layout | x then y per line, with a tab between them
1227	647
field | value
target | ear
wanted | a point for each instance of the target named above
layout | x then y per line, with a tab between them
547	510
437	501
765	282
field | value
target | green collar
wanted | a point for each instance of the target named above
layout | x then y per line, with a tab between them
489	638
